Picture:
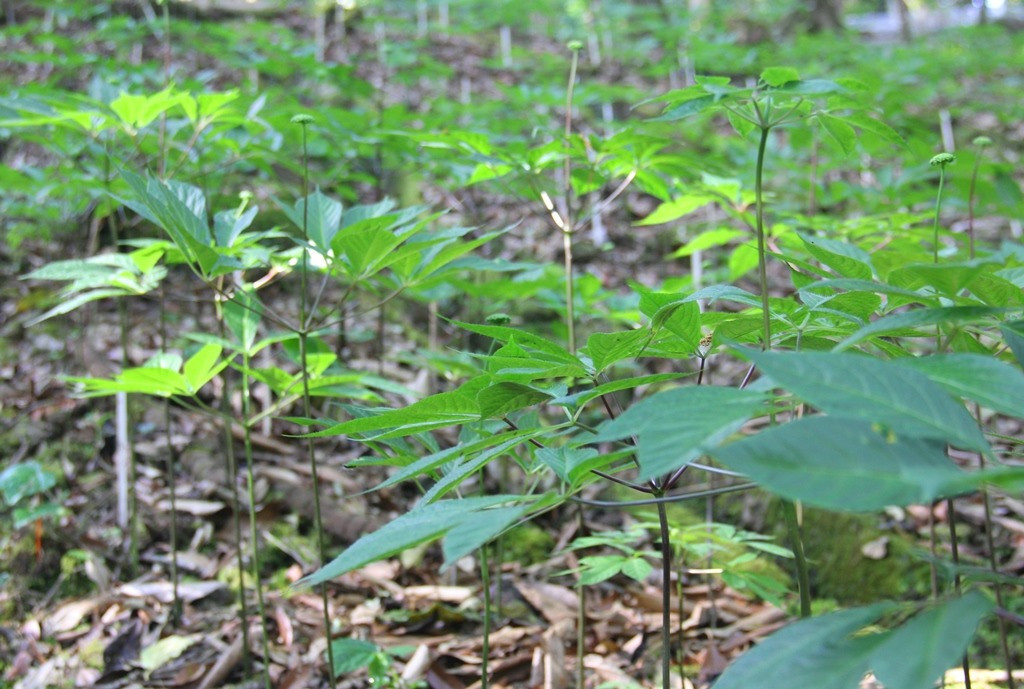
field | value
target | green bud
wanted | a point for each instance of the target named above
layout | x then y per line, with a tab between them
499	319
982	141
942	160
574	46
302	119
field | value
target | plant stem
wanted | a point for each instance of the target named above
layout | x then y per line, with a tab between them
567	221
229	449
762	262
176	608
789	509
486	643
938	207
954	546
797	543
581	613
253	532
308	406
666	596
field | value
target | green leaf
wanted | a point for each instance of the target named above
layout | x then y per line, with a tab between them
422	524
451	408
816	652
687	108
526	339
848	260
898	323
605	349
861	387
25	479
352	654
676	426
1013	333
202	366
708	239
985	380
322	216
598	568
916	654
839	130
676	208
503	398
777	76
844	464
242	315
637	568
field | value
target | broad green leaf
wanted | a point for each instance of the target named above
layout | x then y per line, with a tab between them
676	208
848	260
1013	333
580	398
876	127
708	240
422	524
817	652
947	279
201	367
777	76
23	480
840	132
905	323
443	409
352	654
478	529
242	315
503	398
524	338
860	387
676	426
983	379
605	349
915	655
687	108
598	568
844	464
637	568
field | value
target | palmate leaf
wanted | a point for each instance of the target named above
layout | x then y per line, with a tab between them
465	524
319	215
860	387
838	649
676	426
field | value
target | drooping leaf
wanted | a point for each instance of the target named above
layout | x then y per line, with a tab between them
422	524
606	349
900	323
916	654
985	380
816	652
676	426
861	387
844	464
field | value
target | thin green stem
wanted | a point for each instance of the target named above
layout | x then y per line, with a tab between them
797	544
567	221
236	522
955	548
789	509
762	260
938	208
307	404
253	531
